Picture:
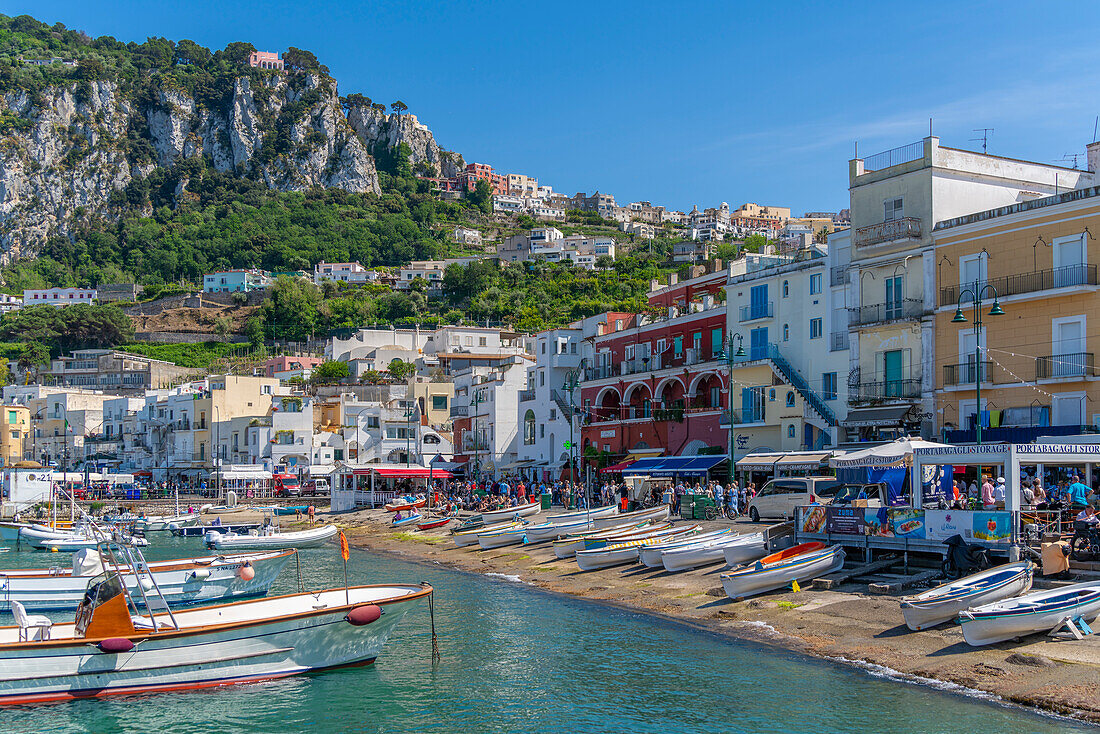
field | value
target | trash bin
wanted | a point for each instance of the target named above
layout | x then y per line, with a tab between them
700	507
546	497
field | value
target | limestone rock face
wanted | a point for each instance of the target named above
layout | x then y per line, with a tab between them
375	127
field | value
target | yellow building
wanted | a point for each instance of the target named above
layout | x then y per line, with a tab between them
16	432
1036	362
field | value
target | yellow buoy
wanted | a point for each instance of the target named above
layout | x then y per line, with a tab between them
53	549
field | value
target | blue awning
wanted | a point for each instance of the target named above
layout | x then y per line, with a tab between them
673	466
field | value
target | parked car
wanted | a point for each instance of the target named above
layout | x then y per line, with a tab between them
778	499
865	495
315	486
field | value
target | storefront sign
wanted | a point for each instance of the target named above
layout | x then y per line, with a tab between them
607	434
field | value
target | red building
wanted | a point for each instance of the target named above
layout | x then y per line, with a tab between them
482	172
657	382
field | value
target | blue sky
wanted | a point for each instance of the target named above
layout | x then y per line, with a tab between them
678	103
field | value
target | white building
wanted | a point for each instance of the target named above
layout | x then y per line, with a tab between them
467	236
351	272
10	303
282	441
431	271
58	296
508	204
486	406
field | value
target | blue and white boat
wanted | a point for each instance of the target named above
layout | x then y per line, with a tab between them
943	603
1042	611
411	519
804	561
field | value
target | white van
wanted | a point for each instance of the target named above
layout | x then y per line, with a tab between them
778	498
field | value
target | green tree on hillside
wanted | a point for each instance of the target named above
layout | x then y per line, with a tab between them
329	373
481	197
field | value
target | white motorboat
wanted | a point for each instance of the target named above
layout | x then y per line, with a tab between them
654	514
502	537
626	551
9	531
271	537
803	561
943	603
596	513
650	556
112	649
157	523
750	548
181	581
464	538
511	513
706	552
1041	611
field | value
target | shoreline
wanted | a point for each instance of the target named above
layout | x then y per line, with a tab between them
843	626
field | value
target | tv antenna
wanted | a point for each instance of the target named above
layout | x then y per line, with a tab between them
986	132
1071	157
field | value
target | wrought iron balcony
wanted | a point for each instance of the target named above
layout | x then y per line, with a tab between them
967	373
874	390
1039	280
601	371
1076	364
526	396
903	310
896	230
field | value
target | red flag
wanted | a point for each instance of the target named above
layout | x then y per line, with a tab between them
343	546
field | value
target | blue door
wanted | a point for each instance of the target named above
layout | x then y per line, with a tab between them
758	343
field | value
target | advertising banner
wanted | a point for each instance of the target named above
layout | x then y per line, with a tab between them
992	527
907	522
814	519
846	520
988	527
876	522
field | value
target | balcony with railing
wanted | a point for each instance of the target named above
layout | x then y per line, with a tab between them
1076	364
901	388
743	417
601	371
896	230
967	373
460	411
1019	283
526	396
757	311
877	313
838	341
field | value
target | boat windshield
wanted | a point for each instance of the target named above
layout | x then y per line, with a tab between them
101	588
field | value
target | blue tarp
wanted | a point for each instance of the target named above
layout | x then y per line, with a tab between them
672	466
893	477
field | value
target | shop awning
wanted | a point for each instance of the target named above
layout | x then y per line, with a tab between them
801	460
687	466
616	468
252	473
758	462
885	415
519	464
405	472
643	466
321	470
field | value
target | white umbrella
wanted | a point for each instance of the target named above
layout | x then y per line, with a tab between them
895	453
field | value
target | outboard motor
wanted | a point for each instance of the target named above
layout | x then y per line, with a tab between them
963	558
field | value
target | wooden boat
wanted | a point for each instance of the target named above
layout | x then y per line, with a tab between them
751	549
509	513
1041	611
626	551
159	523
694	555
199	531
113	649
566	547
803	561
291	510
595	542
502	537
650	556
464	538
596	513
405	504
433	522
551	531
656	514
181	581
406	520
943	603
272	538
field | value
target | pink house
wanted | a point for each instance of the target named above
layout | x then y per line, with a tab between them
289	363
265	60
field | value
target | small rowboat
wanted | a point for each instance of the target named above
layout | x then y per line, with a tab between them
570	544
433	522
626	551
750	549
405	520
803	561
656	514
509	513
464	538
291	509
406	504
944	602
1041	611
596	513
710	551
502	537
650	556
550	531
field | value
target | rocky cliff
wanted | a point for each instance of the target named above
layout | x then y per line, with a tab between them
65	152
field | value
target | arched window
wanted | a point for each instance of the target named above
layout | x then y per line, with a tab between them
790	399
529	428
786	332
790	431
786	288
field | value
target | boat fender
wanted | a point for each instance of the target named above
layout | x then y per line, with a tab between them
200	574
364	615
116	645
246	572
146	583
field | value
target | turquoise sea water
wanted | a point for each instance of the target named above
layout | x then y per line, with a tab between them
516	659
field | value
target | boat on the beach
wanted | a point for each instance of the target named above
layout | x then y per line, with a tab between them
596	513
751	549
650	555
566	547
181	581
1040	611
551	531
291	510
803	561
159	523
271	537
464	538
509	513
707	552
433	522
943	603
656	514
626	551
405	503
501	537
411	519
112	648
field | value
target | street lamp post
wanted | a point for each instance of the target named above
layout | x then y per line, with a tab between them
976	293
572	382
477	440
729	356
